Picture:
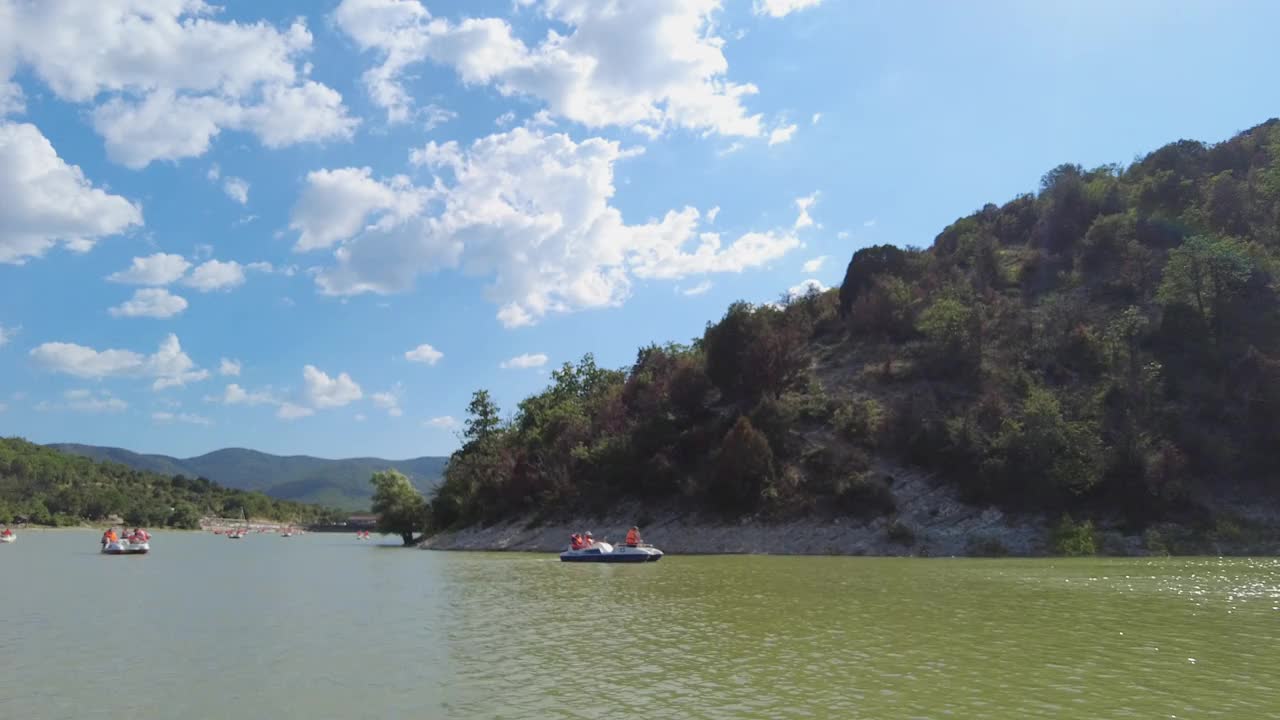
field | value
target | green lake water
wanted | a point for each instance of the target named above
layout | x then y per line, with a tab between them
324	626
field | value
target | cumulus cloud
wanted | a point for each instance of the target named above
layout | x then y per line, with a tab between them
530	210
47	202
237	189
336	203
216	275
236	395
805	288
389	401
157	269
323	391
189	418
85	401
803	204
526	360
444	422
289	411
645	65
817	118
169	366
6	334
781	134
698	289
814	265
227	366
783	8
424	353
167	76
151	303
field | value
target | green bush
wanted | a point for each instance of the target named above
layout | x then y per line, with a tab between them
1074	539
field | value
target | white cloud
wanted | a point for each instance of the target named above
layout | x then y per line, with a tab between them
842	235
645	65
86	401
335	203
505	119
817	118
289	411
424	353
781	134
150	302
46	201
168	417
389	401
713	213
6	334
236	395
237	189
227	366
811	285
265	267
360	417
434	116
325	392
803	204
214	173
869	223
814	265
167	76
216	275
444	422
169	366
782	8
524	361
698	289
530	210
157	269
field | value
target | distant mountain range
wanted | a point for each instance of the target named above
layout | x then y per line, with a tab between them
335	483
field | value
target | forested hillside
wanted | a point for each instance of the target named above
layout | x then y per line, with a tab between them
48	487
340	483
1109	345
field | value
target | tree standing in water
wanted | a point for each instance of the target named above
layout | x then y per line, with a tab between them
400	508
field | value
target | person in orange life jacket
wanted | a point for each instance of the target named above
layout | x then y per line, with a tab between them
575	542
633	536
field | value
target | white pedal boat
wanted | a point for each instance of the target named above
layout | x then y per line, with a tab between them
8	538
124	547
605	553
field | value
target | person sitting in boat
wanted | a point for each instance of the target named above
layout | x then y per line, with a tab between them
588	540
7	532
139	536
633	536
575	542
109	536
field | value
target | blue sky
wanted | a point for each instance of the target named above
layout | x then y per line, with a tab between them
313	191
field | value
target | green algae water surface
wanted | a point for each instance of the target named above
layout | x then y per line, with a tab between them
325	626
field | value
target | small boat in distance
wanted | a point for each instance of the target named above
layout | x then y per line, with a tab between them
7	536
126	547
603	552
238	533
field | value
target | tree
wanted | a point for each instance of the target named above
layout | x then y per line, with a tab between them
482	418
1206	272
744	468
399	506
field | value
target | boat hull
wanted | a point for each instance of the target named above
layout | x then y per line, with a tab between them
126	548
606	553
8	538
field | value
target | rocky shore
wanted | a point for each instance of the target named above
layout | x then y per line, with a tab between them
930	521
